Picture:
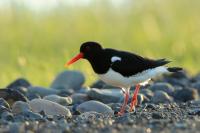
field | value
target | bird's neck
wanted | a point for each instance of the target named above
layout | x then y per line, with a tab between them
100	63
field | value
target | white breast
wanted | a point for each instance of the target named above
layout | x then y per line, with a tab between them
116	79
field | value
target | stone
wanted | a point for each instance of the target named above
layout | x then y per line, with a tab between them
95	106
65	101
161	97
186	94
68	80
157	115
79	98
148	93
20	107
49	107
196	86
4	103
106	95
160	86
195	111
8	116
41	91
12	95
21	82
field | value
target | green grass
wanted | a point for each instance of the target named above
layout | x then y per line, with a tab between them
36	46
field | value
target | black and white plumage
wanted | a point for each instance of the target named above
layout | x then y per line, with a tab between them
120	68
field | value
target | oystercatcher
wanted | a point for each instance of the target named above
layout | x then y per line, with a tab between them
122	69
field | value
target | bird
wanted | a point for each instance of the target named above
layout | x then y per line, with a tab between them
122	69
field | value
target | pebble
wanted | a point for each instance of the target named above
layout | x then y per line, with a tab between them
148	93
161	97
21	82
196	86
95	106
102	85
12	95
160	86
49	107
4	103
65	101
157	115
79	98
41	91
106	95
89	116
186	94
20	107
68	80
195	111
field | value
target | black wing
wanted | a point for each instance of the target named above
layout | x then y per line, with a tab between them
131	64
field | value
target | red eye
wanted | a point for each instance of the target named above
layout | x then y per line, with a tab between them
87	48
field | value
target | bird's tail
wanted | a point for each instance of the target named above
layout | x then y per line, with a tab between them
174	69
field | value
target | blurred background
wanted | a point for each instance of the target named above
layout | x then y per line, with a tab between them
37	37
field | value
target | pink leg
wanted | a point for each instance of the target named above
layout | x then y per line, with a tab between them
126	98
134	99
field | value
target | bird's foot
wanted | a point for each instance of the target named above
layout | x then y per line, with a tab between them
134	103
120	113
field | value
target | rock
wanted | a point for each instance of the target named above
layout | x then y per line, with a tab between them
4	103
89	117
41	91
8	116
65	93
68	80
49	107
32	96
17	127
12	95
106	95
78	98
3	109
148	93
20	107
19	83
196	86
195	111
177	82
29	115
161	97
157	115
65	101
160	86
102	85
95	106
186	94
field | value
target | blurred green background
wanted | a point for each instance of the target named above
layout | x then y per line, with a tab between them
38	37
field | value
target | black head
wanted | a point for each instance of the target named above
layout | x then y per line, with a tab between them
89	49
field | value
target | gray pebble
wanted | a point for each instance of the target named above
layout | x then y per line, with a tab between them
106	95
21	82
186	94
161	97
20	107
41	91
4	103
95	106
78	98
65	101
160	86
68	80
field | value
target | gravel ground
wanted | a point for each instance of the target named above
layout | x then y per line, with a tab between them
169	104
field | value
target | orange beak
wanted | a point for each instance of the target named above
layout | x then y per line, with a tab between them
73	60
